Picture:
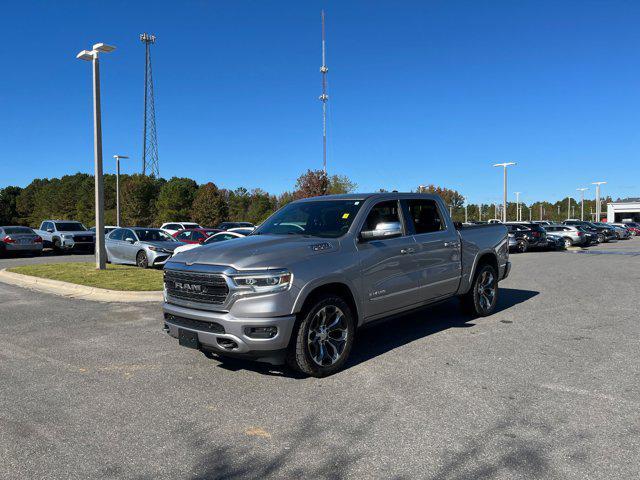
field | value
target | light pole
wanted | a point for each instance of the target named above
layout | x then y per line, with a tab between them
540	211
466	216
517	206
598	207
118	157
92	55
504	193
582	190
568	208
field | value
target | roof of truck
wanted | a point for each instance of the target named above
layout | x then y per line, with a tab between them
365	196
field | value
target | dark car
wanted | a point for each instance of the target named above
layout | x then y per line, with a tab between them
603	233
535	234
229	225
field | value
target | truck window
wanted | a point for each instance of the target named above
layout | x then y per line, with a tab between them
425	216
383	212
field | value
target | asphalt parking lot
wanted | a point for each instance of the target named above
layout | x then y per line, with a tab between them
547	387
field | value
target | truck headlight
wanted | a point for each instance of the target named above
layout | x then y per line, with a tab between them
67	236
264	282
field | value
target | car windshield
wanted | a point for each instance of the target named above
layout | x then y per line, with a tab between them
18	230
70	227
320	218
154	235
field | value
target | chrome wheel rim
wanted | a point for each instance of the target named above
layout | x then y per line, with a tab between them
327	337
486	290
567	242
142	260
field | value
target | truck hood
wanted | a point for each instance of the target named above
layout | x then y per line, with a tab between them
258	251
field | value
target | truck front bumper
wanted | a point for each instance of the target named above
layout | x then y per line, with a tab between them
226	334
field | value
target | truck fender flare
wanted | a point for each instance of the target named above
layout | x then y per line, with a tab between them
474	267
315	284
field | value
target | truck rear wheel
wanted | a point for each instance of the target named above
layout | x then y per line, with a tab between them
482	297
322	339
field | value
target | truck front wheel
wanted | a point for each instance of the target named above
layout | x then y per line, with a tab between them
482	298
322	339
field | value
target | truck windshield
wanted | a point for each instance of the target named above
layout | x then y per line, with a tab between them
321	218
70	227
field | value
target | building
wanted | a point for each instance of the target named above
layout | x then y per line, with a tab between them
624	211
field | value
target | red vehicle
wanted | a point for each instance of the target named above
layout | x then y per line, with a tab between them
194	235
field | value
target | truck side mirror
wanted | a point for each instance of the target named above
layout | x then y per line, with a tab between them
49	230
382	231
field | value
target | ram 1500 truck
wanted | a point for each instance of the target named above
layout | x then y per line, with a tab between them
299	287
65	235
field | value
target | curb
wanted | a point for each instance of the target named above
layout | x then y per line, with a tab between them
71	290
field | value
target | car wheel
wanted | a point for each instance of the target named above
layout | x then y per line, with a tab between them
57	248
482	297
322	339
522	246
568	242
141	260
600	238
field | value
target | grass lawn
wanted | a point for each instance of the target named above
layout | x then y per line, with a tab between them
115	277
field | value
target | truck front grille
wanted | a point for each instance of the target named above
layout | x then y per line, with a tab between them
82	238
210	288
212	327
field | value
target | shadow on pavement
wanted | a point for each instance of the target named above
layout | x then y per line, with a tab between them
389	334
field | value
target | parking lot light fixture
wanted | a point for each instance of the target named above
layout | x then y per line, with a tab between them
92	55
517	206
582	190
118	157
598	206
504	192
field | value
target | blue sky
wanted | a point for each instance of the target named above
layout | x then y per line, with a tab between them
420	92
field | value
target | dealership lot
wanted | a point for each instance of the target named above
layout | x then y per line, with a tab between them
547	387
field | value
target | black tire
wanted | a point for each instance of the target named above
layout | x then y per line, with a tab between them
57	249
522	246
316	350
601	238
141	260
477	303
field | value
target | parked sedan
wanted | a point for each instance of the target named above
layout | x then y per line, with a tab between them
555	242
19	240
603	233
218	237
633	227
623	232
144	247
613	231
195	235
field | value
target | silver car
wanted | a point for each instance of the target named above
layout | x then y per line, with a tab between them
144	247
570	234
19	240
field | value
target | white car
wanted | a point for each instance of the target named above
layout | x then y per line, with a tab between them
173	227
218	237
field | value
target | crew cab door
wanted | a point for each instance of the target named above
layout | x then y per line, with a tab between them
389	275
437	248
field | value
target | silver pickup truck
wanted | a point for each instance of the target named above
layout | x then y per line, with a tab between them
297	289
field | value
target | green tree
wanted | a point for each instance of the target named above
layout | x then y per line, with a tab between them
175	200
138	199
340	184
209	206
8	208
261	206
239	201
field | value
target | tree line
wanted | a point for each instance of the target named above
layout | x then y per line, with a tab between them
150	201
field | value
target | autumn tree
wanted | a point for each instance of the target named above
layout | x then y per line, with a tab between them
340	184
451	197
314	183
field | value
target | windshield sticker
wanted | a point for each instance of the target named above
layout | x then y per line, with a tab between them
345	216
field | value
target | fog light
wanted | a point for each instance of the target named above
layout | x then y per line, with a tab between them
261	332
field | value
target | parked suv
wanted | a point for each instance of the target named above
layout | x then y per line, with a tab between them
66	235
604	234
570	234
297	288
535	234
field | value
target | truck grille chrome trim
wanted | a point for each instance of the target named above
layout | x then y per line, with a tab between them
208	288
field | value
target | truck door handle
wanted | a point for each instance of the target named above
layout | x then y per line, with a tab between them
451	244
407	250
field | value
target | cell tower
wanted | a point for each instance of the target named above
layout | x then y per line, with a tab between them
150	163
324	98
